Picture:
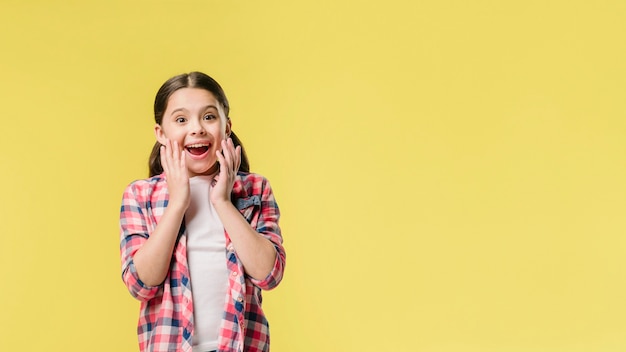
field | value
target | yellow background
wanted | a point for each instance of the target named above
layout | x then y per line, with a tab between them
451	173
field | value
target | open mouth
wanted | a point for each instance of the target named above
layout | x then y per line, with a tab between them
197	149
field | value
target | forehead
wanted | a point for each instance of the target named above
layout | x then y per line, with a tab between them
192	99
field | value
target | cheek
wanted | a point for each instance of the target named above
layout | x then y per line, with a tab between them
219	133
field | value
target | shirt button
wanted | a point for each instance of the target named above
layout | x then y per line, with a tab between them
240	299
234	273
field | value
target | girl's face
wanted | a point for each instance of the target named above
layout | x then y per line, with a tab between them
196	121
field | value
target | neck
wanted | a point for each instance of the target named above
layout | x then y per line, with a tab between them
212	171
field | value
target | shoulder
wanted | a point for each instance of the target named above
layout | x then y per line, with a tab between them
250	184
247	177
145	188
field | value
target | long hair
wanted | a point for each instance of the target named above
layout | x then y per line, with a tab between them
189	80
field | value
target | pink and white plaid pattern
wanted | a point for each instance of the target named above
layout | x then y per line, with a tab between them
166	313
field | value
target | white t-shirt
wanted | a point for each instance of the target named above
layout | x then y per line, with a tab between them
206	257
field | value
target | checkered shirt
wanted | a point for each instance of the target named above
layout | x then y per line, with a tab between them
166	312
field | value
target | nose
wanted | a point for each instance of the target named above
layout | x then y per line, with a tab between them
197	128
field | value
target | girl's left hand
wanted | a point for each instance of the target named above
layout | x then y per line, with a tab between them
230	159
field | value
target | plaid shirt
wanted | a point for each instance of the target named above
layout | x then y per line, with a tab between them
166	313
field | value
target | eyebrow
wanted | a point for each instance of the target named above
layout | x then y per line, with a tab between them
203	109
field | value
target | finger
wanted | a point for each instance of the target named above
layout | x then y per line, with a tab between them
180	156
222	175
237	158
227	156
221	160
182	160
233	155
175	153
167	154
236	154
164	159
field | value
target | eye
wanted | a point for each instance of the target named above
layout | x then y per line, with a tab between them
180	119
209	117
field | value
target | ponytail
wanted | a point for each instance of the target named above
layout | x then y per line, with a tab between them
155	167
154	162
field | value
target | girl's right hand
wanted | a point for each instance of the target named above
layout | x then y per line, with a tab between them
173	162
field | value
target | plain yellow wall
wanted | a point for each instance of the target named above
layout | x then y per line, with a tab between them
451	173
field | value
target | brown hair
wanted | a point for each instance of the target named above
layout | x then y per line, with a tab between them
189	80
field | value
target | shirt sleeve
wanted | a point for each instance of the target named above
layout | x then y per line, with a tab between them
134	233
267	226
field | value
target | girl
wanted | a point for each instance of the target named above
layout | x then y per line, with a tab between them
199	238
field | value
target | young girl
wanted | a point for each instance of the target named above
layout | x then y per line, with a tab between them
199	238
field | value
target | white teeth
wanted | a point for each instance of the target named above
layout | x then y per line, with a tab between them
197	145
